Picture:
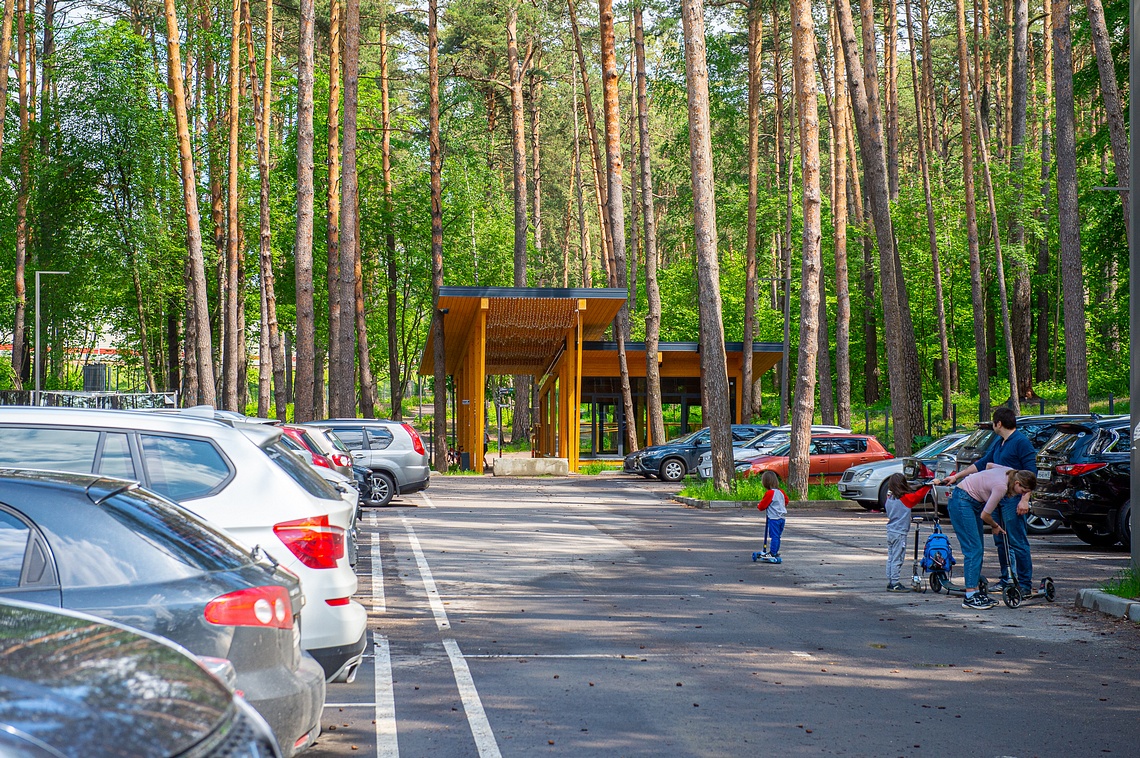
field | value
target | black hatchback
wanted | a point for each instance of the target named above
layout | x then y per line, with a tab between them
1083	478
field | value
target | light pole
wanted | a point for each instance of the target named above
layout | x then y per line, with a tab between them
787	338
36	354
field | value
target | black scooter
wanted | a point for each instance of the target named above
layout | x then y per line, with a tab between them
1011	594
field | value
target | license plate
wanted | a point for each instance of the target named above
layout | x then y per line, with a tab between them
1044	476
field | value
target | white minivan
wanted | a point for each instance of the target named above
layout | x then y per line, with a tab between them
240	477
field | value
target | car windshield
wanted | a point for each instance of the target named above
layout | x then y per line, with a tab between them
978	440
782	449
936	447
300	471
684	438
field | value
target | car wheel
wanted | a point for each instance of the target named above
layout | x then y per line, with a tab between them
1041	525
1124	525
383	489
882	496
1097	536
672	470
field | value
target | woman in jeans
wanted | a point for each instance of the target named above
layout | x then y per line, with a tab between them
974	496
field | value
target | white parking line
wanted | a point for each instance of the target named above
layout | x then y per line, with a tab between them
379	604
387	745
480	728
429	583
427	500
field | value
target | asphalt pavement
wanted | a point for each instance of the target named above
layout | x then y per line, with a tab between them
593	616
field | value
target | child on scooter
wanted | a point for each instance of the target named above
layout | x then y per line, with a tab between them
901	498
775	505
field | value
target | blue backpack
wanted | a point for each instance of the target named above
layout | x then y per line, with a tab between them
936	554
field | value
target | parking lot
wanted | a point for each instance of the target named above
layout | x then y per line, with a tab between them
594	616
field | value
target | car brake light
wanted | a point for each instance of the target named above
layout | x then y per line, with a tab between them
335	601
257	606
314	541
417	443
341	459
925	472
1076	469
320	460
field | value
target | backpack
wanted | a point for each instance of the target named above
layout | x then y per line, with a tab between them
936	554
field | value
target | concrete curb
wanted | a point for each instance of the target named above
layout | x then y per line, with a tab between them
1111	605
797	505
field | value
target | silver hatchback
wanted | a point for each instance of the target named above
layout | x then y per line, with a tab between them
392	450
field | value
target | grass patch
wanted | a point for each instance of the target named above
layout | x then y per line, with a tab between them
749	489
593	468
1125	584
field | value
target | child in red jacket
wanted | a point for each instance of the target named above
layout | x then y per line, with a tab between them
775	506
901	498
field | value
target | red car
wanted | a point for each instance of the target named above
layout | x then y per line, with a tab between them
831	455
323	452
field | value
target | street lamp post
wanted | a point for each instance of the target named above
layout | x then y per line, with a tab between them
787	282
36	354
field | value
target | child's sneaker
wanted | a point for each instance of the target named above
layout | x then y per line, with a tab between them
772	559
896	587
978	602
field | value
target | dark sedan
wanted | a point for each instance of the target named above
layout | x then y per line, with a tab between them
671	461
106	547
1084	479
74	685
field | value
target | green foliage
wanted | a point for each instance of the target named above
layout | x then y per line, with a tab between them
748	489
1125	584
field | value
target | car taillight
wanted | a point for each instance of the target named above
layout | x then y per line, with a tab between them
341	459
924	471
314	541
417	443
256	606
322	461
1076	469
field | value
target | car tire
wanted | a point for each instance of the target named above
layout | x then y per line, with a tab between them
882	503
1124	525
672	470
383	489
1041	525
1095	536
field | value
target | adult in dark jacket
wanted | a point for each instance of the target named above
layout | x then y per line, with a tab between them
1012	450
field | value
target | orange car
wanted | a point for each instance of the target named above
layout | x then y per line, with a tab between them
831	455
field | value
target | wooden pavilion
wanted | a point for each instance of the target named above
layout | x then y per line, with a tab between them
554	335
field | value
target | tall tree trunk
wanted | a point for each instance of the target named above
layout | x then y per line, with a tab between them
304	379
807	101
751	296
394	370
195	263
234	340
934	138
1043	341
19	331
864	96
1110	95
583	232
535	149
435	155
976	295
47	80
363	351
332	217
1021	305
1068	215
5	55
891	71
649	218
521	426
714	365
611	98
931	228
342	376
1007	331
839	223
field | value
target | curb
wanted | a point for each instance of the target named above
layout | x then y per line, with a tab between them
796	505
1111	605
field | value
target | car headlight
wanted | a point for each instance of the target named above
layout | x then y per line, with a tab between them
744	466
863	475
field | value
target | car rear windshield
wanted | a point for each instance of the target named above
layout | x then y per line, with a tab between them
1062	443
978	440
299	471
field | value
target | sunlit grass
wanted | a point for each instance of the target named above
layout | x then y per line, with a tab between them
750	489
1125	584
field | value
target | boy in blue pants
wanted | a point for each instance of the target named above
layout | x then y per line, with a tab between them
775	503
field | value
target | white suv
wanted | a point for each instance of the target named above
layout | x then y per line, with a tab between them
240	477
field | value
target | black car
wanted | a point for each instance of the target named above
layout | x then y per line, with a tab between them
671	461
106	547
1083	479
75	685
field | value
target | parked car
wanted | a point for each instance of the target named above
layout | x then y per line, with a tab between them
321	448
391	450
763	443
1037	428
239	476
75	685
1084	479
106	547
671	461
867	483
830	455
